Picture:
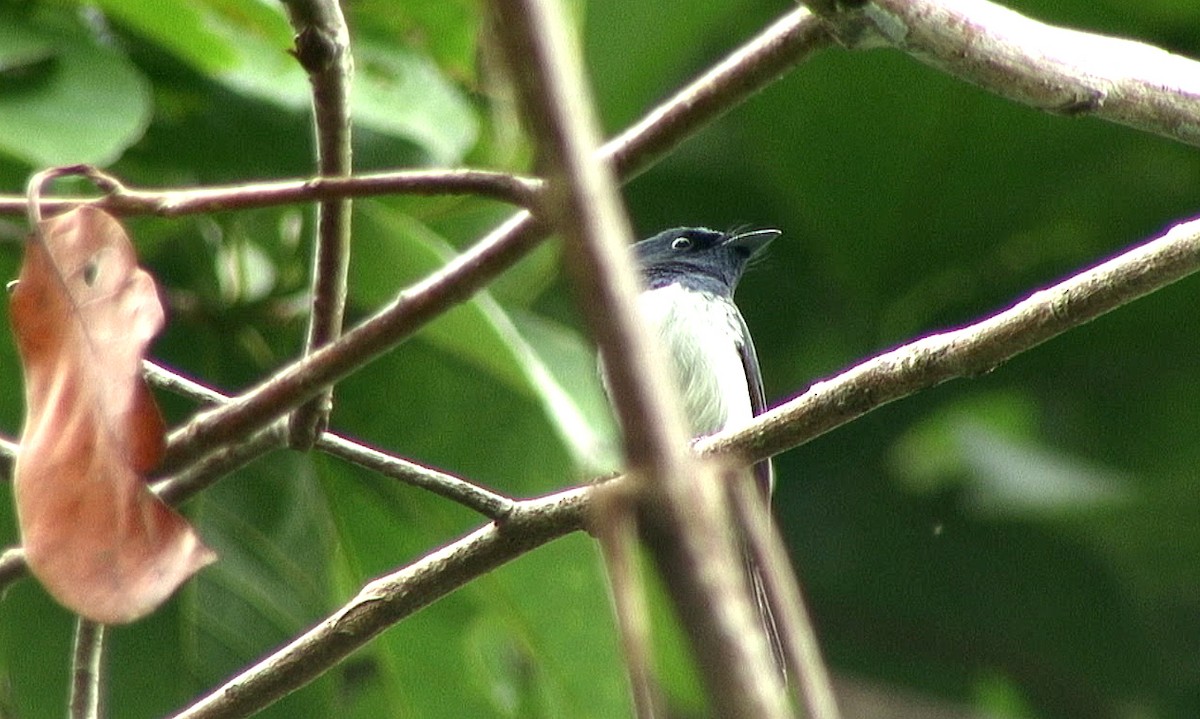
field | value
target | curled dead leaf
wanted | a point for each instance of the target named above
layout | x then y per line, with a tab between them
83	314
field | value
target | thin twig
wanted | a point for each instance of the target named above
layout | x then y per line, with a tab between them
387	600
120	199
182	385
488	503
214	466
1054	69
323	49
87	670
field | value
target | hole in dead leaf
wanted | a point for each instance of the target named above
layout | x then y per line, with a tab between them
90	271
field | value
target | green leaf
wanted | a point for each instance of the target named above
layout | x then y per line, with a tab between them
184	29
396	92
548	362
448	30
65	98
402	94
987	443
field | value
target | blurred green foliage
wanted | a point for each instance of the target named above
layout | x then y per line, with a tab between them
1024	542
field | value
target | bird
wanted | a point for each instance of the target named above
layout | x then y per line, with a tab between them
689	275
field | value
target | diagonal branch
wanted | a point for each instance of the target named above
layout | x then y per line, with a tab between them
389	599
488	503
789	41
971	351
675	496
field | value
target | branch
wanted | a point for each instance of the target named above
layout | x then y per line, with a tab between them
123	200
391	598
8	454
206	471
1051	68
323	49
488	503
787	42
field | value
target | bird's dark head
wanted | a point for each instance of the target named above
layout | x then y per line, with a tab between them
703	258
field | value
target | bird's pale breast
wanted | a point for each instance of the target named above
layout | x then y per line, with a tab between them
703	335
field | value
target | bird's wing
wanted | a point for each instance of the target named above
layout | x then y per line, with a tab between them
764	471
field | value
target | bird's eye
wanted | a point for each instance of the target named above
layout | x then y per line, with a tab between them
681	243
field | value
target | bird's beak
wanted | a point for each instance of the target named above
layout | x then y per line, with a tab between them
754	241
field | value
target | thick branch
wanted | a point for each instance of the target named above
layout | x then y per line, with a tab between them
581	201
970	351
677	499
1051	68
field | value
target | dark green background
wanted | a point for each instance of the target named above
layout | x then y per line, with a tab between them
1024	542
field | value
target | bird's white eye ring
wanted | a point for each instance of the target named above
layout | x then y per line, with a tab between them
681	243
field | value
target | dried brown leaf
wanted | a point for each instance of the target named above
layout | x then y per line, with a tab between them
84	313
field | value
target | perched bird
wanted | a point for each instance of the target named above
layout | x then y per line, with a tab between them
690	274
